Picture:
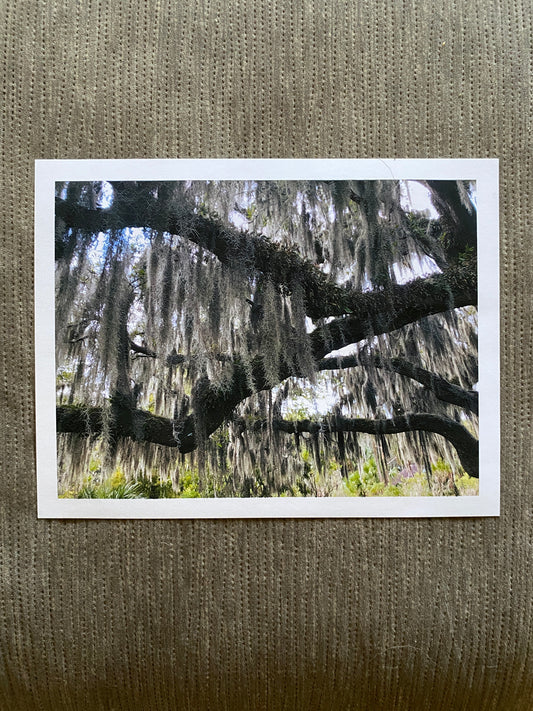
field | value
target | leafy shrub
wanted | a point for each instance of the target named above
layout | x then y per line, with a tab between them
368	483
155	488
467	485
416	485
117	487
188	486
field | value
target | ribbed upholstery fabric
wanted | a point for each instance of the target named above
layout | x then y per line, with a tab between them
274	614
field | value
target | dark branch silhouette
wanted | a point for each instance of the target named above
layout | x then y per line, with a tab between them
380	311
440	387
142	426
465	444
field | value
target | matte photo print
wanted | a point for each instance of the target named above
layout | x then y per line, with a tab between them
267	338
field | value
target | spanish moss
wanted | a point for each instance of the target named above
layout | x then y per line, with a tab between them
267	338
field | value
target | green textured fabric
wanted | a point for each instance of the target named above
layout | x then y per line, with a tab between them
307	614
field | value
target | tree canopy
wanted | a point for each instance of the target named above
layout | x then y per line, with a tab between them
273	337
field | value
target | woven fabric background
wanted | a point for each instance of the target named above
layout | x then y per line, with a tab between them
308	614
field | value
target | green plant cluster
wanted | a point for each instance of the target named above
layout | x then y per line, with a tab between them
328	481
118	487
368	483
440	483
145	487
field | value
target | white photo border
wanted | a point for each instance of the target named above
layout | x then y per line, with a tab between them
483	171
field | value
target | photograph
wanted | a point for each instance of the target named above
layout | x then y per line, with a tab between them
240	337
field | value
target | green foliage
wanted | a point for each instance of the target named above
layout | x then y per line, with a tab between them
189	485
310	482
368	482
467	485
64	376
354	485
306	457
193	485
441	483
417	485
117	487
94	465
315	483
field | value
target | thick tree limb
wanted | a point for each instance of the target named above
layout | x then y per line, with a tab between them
459	221
377	312
215	404
142	426
324	298
142	350
441	388
465	444
380	312
121	421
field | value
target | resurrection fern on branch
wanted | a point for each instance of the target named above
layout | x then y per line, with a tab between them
193	319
